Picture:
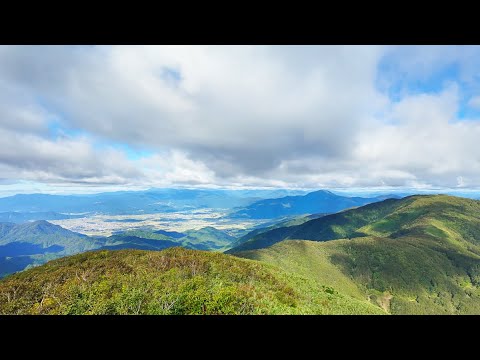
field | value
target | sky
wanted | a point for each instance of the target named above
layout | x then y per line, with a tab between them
77	119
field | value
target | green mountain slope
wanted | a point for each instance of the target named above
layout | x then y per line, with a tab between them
46	234
173	281
34	243
288	222
443	215
207	238
419	255
408	276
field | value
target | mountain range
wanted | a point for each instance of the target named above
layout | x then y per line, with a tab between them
321	201
134	202
21	217
416	255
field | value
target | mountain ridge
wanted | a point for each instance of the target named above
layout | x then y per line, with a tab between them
344	224
320	201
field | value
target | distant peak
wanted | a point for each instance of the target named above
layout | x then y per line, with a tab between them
42	222
209	228
318	192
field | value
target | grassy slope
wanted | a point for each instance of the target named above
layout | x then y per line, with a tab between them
414	256
207	238
173	281
289	222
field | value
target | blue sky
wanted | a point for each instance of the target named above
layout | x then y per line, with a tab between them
86	119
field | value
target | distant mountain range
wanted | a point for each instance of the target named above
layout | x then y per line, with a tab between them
135	202
21	217
321	201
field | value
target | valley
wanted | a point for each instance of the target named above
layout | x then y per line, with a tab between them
106	225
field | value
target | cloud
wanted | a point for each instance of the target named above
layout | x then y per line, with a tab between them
30	157
429	143
297	116
474	102
239	109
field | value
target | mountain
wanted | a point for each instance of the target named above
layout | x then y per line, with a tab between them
135	202
117	242
287	222
20	217
315	202
418	255
46	234
171	234
172	281
34	243
207	238
344	224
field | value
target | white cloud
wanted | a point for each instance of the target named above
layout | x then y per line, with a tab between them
233	116
430	143
239	109
30	157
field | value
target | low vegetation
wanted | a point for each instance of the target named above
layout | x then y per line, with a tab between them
173	281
